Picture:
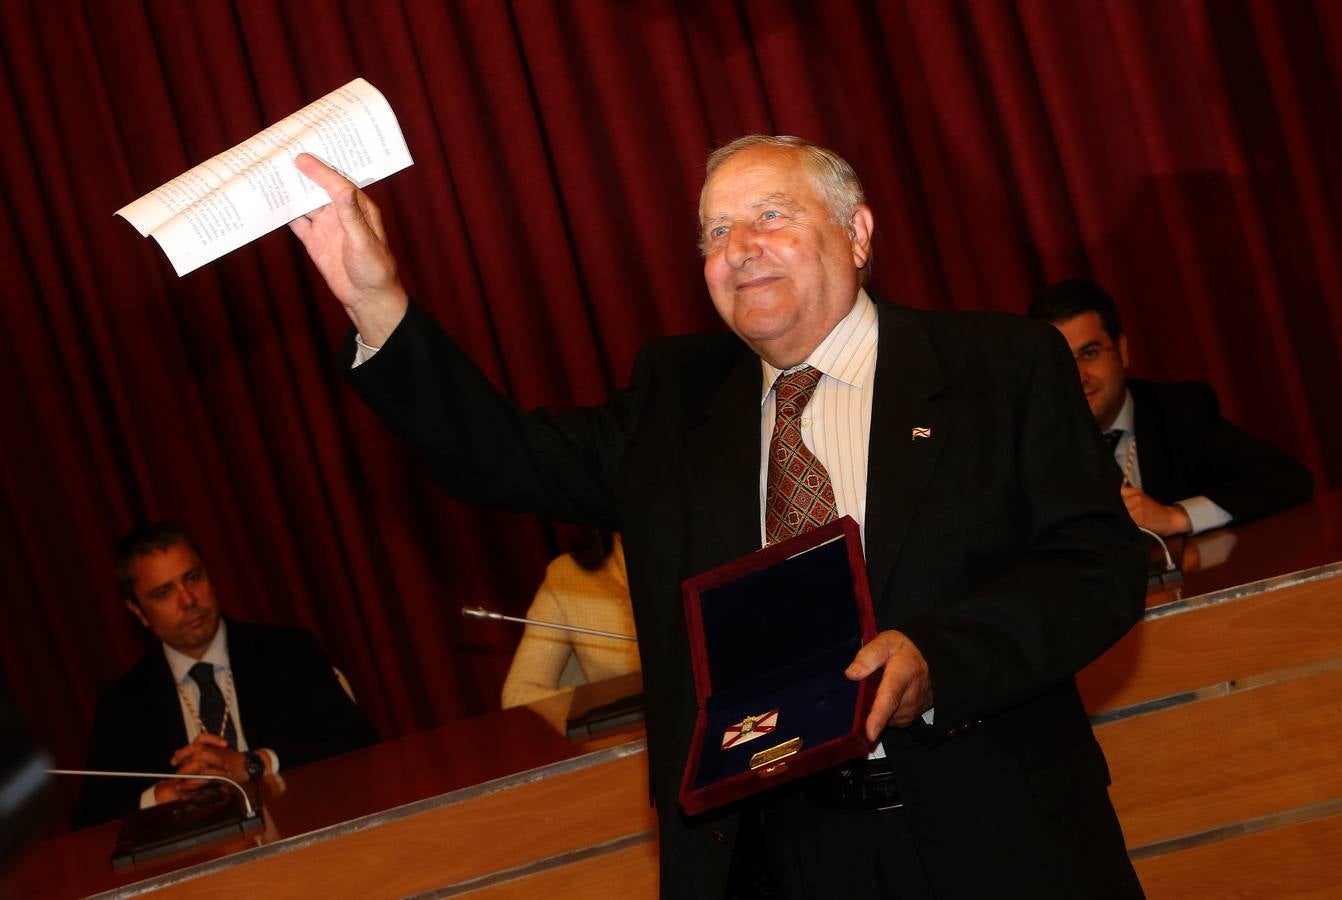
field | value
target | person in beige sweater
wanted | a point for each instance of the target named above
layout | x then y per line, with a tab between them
586	587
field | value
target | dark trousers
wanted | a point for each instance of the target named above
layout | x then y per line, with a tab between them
791	848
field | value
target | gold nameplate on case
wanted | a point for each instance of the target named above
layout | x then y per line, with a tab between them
774	754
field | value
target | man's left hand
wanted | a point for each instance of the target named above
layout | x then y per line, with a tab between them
210	754
1150	513
905	691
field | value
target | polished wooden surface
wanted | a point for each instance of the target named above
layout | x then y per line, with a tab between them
630	874
1226	760
1292	541
584	829
1226	775
450	844
1290	626
1195	637
1297	862
320	795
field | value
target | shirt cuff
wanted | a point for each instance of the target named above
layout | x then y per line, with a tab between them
147	799
362	352
878	752
1203	514
274	761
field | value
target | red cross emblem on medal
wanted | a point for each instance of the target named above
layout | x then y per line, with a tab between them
749	728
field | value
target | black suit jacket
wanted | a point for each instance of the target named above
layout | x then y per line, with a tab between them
289	697
999	545
1185	448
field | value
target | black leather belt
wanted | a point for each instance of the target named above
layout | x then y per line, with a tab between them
862	784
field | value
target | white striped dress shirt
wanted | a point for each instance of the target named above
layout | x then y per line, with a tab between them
837	421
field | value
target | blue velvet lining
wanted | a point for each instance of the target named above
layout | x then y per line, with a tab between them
780	638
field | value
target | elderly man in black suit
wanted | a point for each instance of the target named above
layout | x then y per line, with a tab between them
999	556
1186	469
213	696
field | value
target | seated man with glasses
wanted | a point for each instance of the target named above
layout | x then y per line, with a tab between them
1196	470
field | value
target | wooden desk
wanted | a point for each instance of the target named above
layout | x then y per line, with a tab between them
1218	714
347	816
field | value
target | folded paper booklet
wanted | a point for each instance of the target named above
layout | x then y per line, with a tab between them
250	190
770	637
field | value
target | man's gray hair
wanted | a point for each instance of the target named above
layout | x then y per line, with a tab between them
834	177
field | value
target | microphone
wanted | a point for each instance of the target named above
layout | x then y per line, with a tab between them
479	612
246	801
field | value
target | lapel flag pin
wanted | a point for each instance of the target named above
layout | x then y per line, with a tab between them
921	433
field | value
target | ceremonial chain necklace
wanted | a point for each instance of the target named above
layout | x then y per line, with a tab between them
1129	461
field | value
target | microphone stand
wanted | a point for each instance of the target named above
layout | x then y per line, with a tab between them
479	612
246	801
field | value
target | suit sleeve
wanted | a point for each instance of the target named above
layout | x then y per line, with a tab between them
1073	584
320	719
478	444
1245	475
102	799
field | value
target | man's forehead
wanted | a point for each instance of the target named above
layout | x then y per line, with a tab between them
165	564
1082	329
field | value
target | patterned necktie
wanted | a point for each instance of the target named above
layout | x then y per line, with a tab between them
1113	437
799	496
214	716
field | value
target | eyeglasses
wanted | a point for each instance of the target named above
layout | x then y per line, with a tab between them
1092	352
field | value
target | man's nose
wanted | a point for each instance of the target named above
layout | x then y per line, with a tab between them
185	596
742	246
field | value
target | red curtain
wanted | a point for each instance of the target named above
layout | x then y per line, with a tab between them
1184	154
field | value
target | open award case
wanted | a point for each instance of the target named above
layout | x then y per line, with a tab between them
770	636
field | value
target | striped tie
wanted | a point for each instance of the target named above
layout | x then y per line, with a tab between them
799	495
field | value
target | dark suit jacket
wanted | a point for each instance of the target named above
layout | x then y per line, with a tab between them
1186	449
999	545
289	697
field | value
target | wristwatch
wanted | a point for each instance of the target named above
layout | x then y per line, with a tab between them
254	765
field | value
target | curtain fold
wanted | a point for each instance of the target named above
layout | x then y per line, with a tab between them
1182	154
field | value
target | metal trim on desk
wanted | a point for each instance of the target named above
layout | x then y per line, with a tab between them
1296	816
1220	689
1239	592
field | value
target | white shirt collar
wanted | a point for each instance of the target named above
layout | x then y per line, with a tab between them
1124	421
216	655
845	353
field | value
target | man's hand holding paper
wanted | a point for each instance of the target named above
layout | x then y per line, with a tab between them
348	245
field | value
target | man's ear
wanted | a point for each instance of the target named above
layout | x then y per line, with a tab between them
1123	350
860	231
137	612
